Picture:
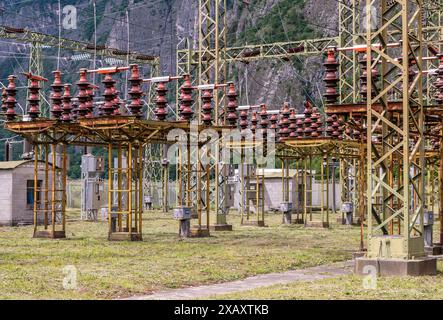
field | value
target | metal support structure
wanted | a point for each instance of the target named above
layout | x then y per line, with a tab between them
402	196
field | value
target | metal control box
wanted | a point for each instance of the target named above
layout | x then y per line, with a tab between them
286	206
182	213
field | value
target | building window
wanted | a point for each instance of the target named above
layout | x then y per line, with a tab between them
30	193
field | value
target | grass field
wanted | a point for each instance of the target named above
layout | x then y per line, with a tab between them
351	287
33	268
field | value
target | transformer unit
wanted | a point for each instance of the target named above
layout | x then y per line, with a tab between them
92	186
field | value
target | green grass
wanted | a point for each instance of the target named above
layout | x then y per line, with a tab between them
33	268
350	287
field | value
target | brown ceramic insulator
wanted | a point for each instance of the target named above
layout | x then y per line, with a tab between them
232	116
90	102
329	130
300	128
11	102
136	92
293	125
207	96
331	79
254	122
118	104
335	127
67	107
273	122
308	120
56	95
186	100
264	120
109	95
244	120
4	98
82	94
34	98
284	122
341	128
161	102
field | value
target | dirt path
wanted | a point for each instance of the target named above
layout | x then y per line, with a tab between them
309	274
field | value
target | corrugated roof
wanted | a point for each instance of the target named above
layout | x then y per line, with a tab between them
8	165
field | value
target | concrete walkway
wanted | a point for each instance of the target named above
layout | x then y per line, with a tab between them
309	274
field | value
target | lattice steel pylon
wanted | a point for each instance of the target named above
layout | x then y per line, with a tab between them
212	69
349	28
400	138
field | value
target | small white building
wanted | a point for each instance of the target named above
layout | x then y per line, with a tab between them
274	190
17	191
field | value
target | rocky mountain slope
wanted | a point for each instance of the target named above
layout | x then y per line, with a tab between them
156	26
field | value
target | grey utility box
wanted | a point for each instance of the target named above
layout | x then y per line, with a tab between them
182	213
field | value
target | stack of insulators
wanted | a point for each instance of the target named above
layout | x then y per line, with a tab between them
67	108
4	97
300	128
329	128
364	79
331	78
243	120
264	122
308	120
284	121
161	102
207	96
117	104
293	125
34	98
56	95
186	100
82	95
314	124
90	101
136	93
254	122
335	127
11	92
232	116
109	94
273	120
439	83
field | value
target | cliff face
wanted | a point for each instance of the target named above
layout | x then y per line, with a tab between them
156	26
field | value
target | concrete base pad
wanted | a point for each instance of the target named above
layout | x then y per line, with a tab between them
221	227
341	221
254	223
435	250
358	254
298	221
197	232
47	234
396	267
125	236
316	224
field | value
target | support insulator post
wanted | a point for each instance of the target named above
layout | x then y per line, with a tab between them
232	117
56	95
136	93
67	107
11	92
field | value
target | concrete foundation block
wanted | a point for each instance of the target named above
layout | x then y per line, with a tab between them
397	267
220	227
298	221
199	232
434	250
